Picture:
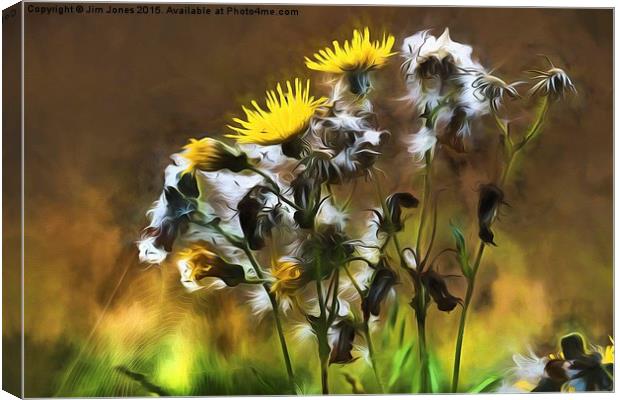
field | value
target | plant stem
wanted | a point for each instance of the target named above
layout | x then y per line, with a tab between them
380	196
425	199
371	351
537	125
323	346
399	250
420	305
371	355
243	245
532	132
461	333
334	306
276	317
322	340
425	386
324	359
509	162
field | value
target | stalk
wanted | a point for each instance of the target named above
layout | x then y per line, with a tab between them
425	386
420	305
323	346
371	355
532	133
425	199
366	329
461	333
276	317
243	245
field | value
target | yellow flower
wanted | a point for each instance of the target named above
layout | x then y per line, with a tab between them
607	352
524	385
360	54
286	117
289	278
211	155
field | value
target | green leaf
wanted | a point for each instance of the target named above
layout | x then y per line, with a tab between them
398	362
487	385
461	250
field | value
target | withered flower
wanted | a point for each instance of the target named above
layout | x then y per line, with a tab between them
438	290
456	129
395	203
327	249
491	88
347	143
175	221
382	282
188	186
197	262
491	197
307	195
553	82
256	218
575	369
344	332
433	67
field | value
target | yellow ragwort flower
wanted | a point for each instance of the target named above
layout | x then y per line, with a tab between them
289	278
360	54
607	352
286	117
211	155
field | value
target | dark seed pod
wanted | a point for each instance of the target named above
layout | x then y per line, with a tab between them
341	349
382	282
491	197
438	290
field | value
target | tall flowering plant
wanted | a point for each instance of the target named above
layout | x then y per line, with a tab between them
265	212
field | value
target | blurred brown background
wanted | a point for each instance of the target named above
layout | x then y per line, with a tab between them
110	97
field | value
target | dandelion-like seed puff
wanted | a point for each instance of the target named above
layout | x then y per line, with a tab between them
491	88
354	59
286	118
553	82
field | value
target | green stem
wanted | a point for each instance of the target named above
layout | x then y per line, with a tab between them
425	385
537	125
399	250
324	359
334	307
461	333
379	192
512	152
371	355
507	167
371	351
425	199
420	303
323	347
276	317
